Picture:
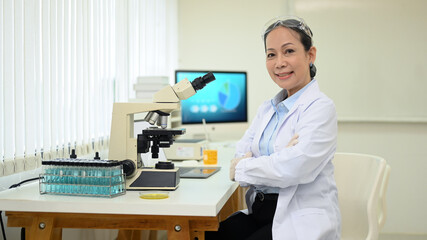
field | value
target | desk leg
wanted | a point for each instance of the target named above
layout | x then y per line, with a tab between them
129	234
153	235
125	234
200	235
57	234
178	229
42	228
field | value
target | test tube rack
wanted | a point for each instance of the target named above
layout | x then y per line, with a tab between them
82	177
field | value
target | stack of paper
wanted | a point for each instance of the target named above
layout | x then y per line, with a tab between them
147	86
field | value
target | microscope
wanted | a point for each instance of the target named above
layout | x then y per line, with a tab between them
124	147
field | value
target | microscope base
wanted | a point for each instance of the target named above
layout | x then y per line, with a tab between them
154	179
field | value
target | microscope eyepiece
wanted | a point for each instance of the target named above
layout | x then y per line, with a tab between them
201	82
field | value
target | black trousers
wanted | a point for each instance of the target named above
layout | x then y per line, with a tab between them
255	226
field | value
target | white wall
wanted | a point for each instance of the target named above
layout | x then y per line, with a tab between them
226	35
370	53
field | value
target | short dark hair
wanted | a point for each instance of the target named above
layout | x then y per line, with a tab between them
295	25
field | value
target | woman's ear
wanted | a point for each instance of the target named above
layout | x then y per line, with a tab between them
312	54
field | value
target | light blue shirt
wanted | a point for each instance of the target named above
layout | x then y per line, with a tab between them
266	145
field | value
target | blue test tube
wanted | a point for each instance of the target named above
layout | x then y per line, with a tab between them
93	179
107	178
59	177
98	177
84	178
74	176
46	182
66	176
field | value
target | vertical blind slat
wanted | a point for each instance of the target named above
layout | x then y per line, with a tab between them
59	77
19	79
46	73
108	73
79	77
1	91
73	78
91	65
101	55
53	102
29	74
67	80
133	41
86	101
38	89
122	43
96	111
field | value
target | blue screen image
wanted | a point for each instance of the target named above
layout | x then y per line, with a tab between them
220	101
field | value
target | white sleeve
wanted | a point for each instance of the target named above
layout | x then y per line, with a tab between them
244	144
302	163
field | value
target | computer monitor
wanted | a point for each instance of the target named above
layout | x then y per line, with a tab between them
222	103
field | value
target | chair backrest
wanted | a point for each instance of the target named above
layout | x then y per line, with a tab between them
358	178
382	203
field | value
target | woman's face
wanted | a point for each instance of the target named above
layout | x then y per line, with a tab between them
287	61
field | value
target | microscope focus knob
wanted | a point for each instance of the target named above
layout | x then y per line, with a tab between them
129	167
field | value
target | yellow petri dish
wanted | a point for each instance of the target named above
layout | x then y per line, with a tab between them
153	195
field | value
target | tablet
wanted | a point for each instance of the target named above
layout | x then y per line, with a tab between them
197	172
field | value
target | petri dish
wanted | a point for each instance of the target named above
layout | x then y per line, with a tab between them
153	195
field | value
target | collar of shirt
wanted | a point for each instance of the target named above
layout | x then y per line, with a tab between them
288	102
281	108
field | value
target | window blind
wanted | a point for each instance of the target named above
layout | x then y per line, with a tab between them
57	79
152	38
62	65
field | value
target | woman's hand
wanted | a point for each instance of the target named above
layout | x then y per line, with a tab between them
234	163
293	141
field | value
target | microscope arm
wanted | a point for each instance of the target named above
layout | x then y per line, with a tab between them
122	144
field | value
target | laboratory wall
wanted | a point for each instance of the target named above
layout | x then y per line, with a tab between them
226	35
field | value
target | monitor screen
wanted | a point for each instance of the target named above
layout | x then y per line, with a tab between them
221	101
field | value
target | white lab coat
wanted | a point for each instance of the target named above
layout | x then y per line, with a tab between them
307	207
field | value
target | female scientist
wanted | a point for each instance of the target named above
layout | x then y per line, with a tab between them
285	155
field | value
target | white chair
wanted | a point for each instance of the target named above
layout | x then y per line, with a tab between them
382	204
359	178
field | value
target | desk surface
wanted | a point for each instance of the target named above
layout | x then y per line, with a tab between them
194	197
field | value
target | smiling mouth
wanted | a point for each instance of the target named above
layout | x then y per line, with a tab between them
284	75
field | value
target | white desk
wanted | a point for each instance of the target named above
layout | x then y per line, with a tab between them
196	206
